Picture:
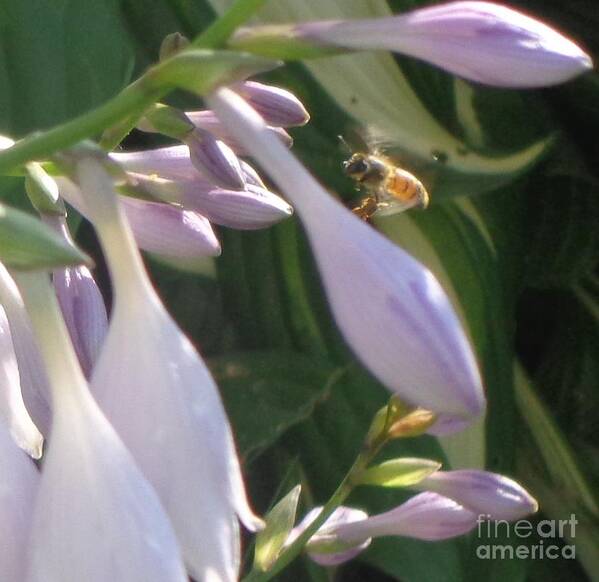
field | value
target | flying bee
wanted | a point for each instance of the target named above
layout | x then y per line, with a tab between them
389	188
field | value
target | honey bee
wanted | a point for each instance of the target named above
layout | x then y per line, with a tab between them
389	188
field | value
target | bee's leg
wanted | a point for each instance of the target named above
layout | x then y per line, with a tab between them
366	209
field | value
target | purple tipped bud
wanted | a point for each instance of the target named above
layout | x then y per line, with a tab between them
158	228
480	41
324	546
277	106
248	209
427	516
208	121
215	160
81	303
169	231
173	163
485	493
390	308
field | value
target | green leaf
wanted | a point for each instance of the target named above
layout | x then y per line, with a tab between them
398	472
279	522
27	243
267	392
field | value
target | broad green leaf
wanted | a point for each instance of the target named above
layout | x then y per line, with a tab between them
267	392
27	243
279	521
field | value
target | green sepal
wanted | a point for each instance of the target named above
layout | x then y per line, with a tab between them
403	472
279	41
170	121
42	190
279	522
27	243
201	71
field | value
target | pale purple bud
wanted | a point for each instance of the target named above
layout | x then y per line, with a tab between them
35	389
480	41
248	209
13	413
391	309
159	395
324	547
277	106
426	516
20	481
173	163
215	160
158	228
170	231
490	494
208	121
81	303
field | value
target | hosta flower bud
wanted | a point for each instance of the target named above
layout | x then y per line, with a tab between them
391	309
158	228
81	303
215	160
324	547
490	494
480	41
277	106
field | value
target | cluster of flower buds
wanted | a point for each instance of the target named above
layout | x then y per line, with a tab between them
452	503
181	189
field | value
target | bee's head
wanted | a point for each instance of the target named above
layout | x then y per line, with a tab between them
357	166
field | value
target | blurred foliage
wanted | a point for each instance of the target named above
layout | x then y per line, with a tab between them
518	256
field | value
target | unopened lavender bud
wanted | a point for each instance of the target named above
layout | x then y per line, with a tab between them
480	41
158	228
215	160
278	107
81	303
427	516
248	209
325	547
491	494
170	231
208	121
390	308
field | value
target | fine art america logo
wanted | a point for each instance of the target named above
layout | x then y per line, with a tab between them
548	538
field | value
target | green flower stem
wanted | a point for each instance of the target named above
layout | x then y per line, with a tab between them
136	96
345	488
217	34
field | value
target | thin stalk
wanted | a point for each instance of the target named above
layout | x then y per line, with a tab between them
136	96
339	496
217	34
